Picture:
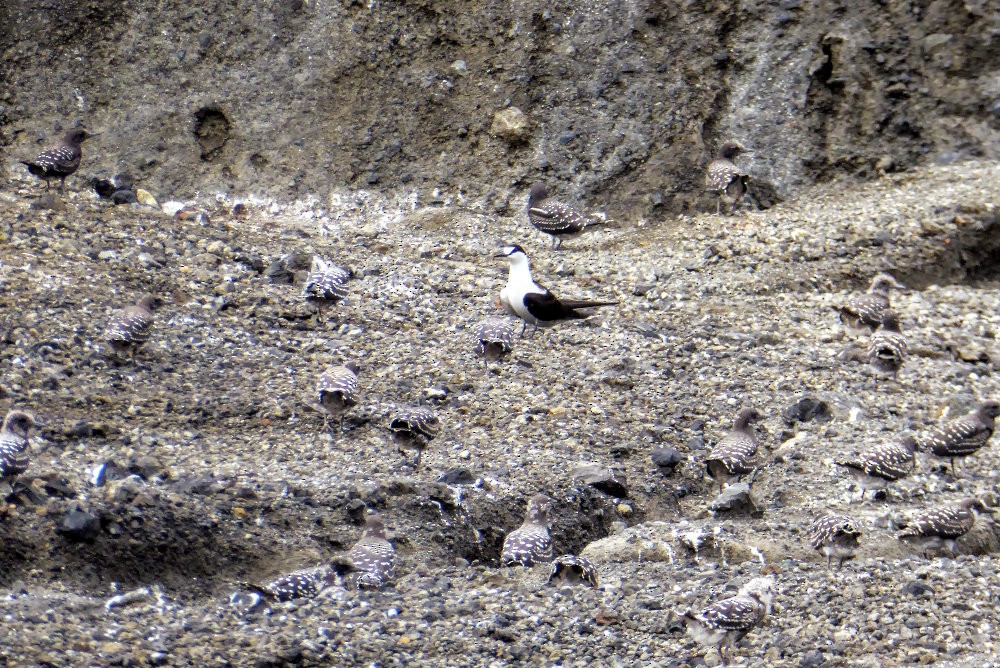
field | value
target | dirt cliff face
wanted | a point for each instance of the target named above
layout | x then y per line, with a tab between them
623	101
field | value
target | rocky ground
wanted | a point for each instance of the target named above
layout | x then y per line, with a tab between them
214	469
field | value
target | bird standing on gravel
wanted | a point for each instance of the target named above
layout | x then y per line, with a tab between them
882	464
836	536
413	429
862	314
555	218
887	347
942	526
532	302
962	436
722	176
338	392
571	569
61	160
14	454
530	544
732	457
495	338
727	621
326	284
129	328
373	557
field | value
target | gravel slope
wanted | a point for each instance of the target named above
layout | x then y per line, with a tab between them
220	472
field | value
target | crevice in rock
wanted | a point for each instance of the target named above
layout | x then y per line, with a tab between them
211	130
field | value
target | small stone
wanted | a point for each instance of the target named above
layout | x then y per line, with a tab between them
146	198
123	197
807	409
917	588
511	125
602	479
457	476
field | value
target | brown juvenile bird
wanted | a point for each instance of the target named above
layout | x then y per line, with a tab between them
571	569
530	543
413	429
14	453
882	464
338	392
373	557
942	526
836	536
555	218
326	284
733	456
306	583
723	176
862	314
962	436
887	347
61	160
495	338
727	621
129	328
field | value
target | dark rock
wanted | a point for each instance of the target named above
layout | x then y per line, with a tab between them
807	409
356	510
666	458
457	476
104	188
124	197
79	525
917	588
813	659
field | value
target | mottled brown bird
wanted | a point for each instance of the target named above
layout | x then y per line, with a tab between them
326	284
862	314
722	176
530	543
15	457
836	536
61	160
882	464
555	218
306	583
887	347
129	328
733	456
413	429
573	570
494	339
943	525
337	388
373	556
727	621
962	436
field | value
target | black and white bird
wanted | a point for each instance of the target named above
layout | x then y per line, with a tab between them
862	314
337	388
733	456
572	570
962	436
413	429
532	302
887	347
326	284
373	557
942	526
555	218
15	455
61	160
723	177
494	339
530	544
130	327
882	464
727	621
836	536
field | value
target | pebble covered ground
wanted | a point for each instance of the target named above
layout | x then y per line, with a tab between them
160	484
